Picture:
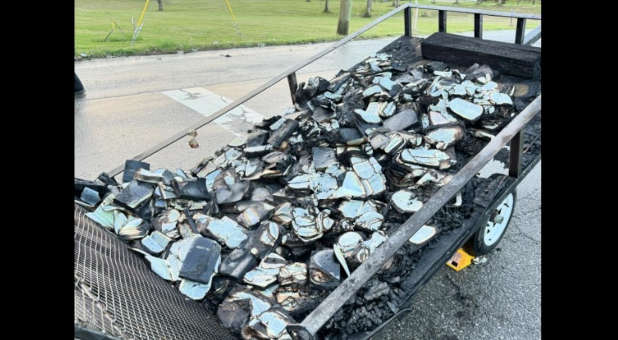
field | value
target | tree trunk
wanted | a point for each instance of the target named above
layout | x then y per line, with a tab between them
395	3
368	12
160	5
326	10
345	12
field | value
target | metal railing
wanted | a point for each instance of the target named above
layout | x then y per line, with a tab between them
511	133
533	36
478	19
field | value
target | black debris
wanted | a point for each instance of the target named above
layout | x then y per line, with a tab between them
278	204
201	260
130	167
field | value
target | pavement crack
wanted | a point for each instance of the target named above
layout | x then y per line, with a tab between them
522	233
462	297
530	195
530	211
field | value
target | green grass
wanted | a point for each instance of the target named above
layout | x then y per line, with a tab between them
190	25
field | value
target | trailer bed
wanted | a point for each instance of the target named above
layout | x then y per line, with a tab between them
105	304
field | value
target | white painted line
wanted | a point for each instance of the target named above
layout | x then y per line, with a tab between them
205	102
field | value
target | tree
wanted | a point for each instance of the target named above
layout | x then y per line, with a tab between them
395	3
326	10
160	5
368	11
345	12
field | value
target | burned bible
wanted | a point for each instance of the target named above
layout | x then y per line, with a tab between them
262	231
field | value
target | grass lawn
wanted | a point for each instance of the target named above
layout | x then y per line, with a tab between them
191	25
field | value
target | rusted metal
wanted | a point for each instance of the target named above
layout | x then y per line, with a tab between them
407	22
319	316
515	156
478	25
293	85
519	32
442	21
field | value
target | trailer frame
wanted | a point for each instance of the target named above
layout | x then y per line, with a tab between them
511	133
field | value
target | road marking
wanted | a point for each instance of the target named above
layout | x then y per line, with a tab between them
206	102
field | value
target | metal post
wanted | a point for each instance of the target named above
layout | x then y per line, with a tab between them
478	26
442	21
407	21
515	157
293	85
521	29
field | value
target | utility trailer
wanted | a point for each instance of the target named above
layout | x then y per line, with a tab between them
118	296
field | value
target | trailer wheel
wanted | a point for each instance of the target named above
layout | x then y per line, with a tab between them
494	226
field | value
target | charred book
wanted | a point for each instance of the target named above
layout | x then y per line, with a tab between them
263	230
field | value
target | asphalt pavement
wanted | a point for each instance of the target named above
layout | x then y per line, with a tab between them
499	299
133	103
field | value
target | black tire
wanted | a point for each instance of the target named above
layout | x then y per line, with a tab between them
479	246
80	91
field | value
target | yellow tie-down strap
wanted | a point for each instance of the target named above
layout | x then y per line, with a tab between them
460	260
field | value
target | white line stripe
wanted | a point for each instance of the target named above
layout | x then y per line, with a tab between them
205	102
